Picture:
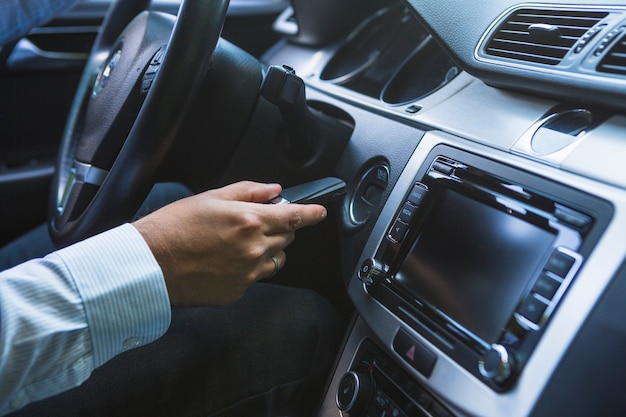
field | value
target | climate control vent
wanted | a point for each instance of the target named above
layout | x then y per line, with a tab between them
541	36
615	60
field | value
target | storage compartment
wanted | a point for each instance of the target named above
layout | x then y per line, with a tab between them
426	70
373	61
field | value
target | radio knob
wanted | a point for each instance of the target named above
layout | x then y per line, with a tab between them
372	271
355	392
496	364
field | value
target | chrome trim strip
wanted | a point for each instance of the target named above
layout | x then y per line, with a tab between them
80	172
89	174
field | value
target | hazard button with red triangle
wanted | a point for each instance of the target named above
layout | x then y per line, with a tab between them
410	354
414	353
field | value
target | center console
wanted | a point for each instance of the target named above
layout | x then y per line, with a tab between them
476	259
469	262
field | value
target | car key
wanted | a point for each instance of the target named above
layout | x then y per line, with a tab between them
320	191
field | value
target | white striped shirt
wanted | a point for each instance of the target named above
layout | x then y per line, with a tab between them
72	311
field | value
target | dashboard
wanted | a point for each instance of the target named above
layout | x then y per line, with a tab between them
482	233
481	237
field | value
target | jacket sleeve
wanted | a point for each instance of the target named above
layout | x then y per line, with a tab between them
72	311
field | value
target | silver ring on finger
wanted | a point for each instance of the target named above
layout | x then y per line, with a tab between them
276	268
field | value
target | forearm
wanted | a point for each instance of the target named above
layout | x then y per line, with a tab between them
64	315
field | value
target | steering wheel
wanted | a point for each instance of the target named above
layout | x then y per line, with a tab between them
140	77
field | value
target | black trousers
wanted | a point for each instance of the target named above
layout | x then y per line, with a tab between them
269	354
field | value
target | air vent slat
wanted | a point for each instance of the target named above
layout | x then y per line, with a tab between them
615	60
527	47
526	56
525	39
541	36
555	19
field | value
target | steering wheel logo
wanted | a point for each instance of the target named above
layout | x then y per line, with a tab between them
105	73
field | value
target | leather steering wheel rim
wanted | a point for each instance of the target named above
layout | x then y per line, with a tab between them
114	194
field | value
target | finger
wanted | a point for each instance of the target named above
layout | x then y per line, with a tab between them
278	241
290	217
274	264
248	191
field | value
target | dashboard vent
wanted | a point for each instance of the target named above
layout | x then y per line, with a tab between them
541	36
615	60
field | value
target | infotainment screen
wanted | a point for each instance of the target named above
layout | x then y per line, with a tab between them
476	257
471	261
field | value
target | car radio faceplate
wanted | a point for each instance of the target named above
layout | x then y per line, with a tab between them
477	257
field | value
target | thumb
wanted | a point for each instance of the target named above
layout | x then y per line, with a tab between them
249	191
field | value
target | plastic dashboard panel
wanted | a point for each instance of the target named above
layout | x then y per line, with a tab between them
475	117
462	392
460	25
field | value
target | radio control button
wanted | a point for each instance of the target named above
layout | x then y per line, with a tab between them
495	365
354	392
417	194
532	308
443	168
381	400
559	264
573	218
397	232
546	286
407	213
372	271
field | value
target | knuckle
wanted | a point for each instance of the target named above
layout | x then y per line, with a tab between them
296	219
255	252
249	222
246	183
251	277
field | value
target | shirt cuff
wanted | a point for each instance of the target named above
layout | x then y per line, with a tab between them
122	288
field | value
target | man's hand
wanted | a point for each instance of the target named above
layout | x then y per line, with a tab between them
213	245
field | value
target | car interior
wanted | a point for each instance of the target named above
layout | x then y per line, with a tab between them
470	154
